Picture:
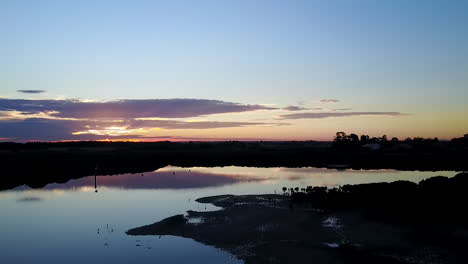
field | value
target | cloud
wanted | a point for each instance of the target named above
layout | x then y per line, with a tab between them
329	101
337	114
163	108
39	129
31	91
294	108
174	124
42	129
299	108
341	109
52	120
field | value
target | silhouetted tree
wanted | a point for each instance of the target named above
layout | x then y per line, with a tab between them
364	139
353	138
340	137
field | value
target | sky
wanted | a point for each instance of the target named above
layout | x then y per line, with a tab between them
232	70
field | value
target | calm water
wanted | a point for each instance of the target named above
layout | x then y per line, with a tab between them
71	223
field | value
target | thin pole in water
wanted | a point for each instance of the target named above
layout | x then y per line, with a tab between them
95	176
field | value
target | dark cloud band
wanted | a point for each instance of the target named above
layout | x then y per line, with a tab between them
337	114
328	101
173	124
163	108
294	108
300	108
52	129
31	91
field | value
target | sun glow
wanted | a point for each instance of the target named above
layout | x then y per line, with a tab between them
20	115
108	131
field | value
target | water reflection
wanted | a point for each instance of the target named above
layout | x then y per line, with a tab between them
29	199
71	217
202	177
174	179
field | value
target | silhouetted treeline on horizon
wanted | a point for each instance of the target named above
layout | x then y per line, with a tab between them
437	200
37	164
342	140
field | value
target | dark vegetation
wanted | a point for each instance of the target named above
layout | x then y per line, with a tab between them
437	200
37	164
353	141
399	222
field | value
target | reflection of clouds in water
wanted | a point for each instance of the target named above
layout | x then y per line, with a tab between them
226	170
295	177
311	176
330	177
335	178
85	189
203	177
29	199
240	173
330	171
173	178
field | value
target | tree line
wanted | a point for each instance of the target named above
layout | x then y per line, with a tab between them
342	137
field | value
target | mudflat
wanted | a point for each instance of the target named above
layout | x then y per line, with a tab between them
270	229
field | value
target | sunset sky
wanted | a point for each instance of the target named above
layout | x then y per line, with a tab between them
232	70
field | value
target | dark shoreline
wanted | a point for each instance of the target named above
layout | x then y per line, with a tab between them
283	229
38	164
